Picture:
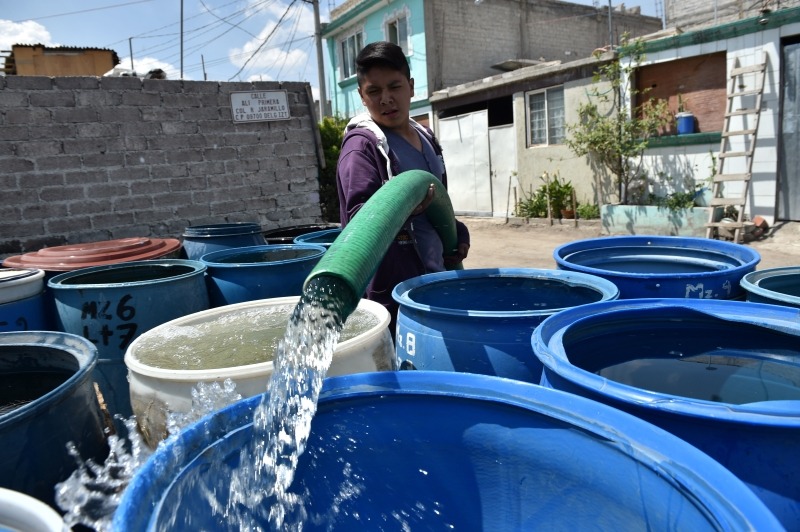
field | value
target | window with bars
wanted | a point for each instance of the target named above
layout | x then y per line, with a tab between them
349	47
546	116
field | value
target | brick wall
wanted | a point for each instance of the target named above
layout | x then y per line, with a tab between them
85	159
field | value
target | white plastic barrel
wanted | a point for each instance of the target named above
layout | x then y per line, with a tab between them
164	384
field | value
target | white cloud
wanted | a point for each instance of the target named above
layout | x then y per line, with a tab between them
27	32
285	51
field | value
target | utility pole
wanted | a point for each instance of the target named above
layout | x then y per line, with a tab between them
323	93
610	28
182	37
130	48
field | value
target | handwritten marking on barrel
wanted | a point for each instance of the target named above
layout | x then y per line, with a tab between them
92	311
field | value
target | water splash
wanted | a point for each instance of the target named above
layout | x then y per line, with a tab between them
92	493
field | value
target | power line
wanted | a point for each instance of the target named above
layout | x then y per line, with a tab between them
83	11
260	46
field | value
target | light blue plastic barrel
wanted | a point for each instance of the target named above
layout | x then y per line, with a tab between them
112	305
451	451
46	401
774	286
722	375
199	240
481	321
662	266
259	272
323	238
23	306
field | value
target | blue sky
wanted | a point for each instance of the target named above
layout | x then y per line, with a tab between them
233	39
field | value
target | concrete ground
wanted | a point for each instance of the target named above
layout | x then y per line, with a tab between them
497	243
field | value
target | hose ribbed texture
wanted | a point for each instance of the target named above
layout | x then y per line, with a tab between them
356	253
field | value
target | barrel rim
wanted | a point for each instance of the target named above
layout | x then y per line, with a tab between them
750	283
400	293
222	229
694	473
217	374
546	338
209	259
749	261
84	351
57	282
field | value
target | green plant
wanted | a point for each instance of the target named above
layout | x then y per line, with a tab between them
674	202
558	192
588	211
331	131
613	131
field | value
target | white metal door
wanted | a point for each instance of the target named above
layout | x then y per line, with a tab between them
465	142
503	150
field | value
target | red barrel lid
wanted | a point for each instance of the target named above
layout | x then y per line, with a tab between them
75	256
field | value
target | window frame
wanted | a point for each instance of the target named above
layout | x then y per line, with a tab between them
393	18
549	138
347	53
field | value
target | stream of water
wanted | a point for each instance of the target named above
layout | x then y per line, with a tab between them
254	493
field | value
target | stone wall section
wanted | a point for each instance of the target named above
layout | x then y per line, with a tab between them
86	159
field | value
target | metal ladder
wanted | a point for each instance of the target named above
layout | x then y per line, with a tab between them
744	82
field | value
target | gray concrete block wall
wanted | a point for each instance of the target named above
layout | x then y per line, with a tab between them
85	159
694	14
466	39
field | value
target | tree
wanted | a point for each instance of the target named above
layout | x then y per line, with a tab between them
331	131
612	130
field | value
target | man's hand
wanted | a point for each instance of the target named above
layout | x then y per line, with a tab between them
427	201
459	256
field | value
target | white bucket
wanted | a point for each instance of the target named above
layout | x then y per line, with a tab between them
22	512
159	387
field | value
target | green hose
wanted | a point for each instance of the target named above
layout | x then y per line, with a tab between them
356	253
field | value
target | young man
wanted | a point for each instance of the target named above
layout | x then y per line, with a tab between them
380	144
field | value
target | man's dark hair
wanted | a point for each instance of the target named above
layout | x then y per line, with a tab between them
381	53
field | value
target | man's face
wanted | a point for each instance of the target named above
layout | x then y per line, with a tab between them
386	93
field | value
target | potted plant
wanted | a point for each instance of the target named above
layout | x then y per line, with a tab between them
684	118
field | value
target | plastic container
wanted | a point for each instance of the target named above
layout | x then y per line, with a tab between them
722	375
242	331
75	256
48	400
774	286
323	238
286	235
453	451
22	512
685	123
662	266
112	305
259	272
201	239
481	321
22	302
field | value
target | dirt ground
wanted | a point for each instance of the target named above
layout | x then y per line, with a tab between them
520	244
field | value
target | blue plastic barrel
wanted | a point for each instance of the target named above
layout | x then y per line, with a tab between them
323	238
722	375
286	235
112	305
201	239
774	286
259	272
480	321
662	266
46	401
685	123
22	302
452	451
